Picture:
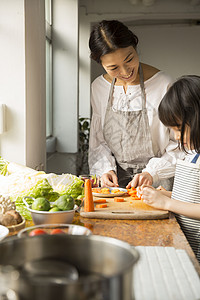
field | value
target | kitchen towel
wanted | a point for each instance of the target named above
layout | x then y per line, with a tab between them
165	273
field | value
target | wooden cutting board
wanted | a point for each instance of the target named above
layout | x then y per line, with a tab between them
129	209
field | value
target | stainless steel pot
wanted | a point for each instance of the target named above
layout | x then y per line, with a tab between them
48	267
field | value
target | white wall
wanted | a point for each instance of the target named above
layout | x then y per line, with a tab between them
35	97
174	49
22	77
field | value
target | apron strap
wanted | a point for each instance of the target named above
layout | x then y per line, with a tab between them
143	94
111	92
196	159
142	87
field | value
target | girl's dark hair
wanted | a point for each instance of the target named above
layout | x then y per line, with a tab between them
108	36
181	106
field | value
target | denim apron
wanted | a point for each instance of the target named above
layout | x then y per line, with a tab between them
187	189
128	136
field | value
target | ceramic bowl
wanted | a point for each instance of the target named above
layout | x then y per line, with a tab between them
4	231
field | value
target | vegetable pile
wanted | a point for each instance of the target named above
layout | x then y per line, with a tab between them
133	193
63	203
17	181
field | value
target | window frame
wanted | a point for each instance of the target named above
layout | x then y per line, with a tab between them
49	92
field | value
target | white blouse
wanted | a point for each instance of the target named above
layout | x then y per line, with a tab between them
101	159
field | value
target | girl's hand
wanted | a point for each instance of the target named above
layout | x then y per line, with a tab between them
153	197
109	179
140	179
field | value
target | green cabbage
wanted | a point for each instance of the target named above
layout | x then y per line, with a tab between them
3	166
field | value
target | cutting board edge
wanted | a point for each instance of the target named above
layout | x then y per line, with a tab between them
104	215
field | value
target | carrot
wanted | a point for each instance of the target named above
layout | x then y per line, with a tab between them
100	201
132	193
115	191
105	191
116	199
96	190
101	205
135	198
88	199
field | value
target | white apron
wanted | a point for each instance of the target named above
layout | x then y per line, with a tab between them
187	189
128	136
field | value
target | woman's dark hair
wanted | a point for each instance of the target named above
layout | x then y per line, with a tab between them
108	36
181	106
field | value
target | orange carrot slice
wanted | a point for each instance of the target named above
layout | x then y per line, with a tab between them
96	190
105	191
135	198
88	199
100	201
132	193
101	205
116	199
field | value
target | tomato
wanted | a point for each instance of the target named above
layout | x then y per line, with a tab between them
57	231
37	232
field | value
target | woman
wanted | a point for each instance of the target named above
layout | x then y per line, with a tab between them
129	146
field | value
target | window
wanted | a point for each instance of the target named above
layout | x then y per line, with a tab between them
49	104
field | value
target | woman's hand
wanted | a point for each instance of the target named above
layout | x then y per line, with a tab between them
154	197
140	179
109	179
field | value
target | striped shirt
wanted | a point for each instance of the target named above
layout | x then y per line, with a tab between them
187	189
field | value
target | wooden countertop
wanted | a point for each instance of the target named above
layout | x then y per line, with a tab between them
165	233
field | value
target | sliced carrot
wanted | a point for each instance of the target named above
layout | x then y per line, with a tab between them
96	190
132	193
101	205
135	198
116	199
105	191
100	201
88	199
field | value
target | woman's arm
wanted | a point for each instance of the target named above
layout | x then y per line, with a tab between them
101	159
160	200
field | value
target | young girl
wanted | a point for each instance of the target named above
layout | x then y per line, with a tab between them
180	110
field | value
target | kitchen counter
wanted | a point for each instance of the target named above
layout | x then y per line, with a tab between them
165	233
164	255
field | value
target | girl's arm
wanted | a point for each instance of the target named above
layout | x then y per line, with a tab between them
160	200
190	210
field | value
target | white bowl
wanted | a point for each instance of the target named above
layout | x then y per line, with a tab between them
4	231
